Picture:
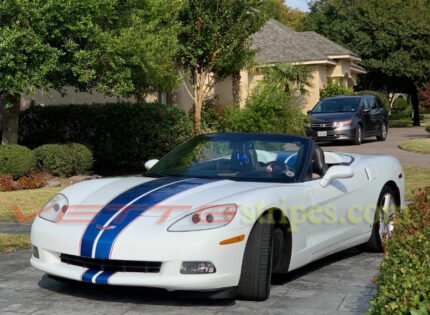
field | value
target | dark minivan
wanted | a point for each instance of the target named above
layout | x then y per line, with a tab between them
348	118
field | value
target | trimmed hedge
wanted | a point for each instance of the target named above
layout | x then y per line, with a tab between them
83	158
403	283
55	159
16	160
121	136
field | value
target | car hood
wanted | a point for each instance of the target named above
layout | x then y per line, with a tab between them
149	197
327	117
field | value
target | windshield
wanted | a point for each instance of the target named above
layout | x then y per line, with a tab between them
337	105
249	157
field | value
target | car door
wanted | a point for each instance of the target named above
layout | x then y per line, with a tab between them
366	117
339	214
375	115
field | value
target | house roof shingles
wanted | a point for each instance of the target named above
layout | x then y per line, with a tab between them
276	43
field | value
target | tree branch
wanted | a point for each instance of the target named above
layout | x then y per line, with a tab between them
191	94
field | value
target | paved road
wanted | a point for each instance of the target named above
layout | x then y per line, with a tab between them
388	147
339	284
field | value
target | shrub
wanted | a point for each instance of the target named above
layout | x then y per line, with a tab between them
121	136
403	283
268	109
334	88
428	128
55	159
16	160
83	158
6	183
32	181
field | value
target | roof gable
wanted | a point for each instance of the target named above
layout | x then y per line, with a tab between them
276	43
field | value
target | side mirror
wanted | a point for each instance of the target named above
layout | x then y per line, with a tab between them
309	112
337	171
149	164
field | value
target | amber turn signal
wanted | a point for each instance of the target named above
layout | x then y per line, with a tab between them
233	240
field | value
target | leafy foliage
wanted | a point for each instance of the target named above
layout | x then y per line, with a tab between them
55	159
114	46
271	106
334	88
16	160
215	43
401	109
403	286
122	139
278	10
83	158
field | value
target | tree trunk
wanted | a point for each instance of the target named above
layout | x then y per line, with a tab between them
415	105
235	81
11	119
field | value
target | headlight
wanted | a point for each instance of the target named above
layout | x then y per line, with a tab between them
339	124
55	209
205	219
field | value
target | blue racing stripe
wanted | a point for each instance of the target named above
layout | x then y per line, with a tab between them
113	207
105	243
89	274
103	278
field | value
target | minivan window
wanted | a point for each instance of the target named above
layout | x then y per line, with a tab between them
336	105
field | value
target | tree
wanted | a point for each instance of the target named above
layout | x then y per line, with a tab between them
279	10
215	43
114	46
391	36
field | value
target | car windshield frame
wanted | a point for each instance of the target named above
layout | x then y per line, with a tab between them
161	168
339	100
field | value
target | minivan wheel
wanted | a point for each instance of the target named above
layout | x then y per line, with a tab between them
358	135
383	134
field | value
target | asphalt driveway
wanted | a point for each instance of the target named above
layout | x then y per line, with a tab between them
388	147
339	284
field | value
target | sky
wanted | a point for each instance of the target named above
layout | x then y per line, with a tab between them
300	4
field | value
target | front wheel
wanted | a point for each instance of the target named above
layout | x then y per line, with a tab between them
256	275
383	133
358	135
383	224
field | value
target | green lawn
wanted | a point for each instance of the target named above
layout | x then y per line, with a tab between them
416	177
420	145
23	205
13	242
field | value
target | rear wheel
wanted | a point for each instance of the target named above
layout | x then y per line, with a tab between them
358	135
383	133
383	224
256	275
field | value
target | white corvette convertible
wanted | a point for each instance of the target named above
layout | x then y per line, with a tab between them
220	214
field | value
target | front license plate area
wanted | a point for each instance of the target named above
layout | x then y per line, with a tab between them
322	133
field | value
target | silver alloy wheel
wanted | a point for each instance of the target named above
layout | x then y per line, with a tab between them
360	135
387	211
384	131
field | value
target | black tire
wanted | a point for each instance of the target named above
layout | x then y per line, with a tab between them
374	244
358	135
383	132
256	275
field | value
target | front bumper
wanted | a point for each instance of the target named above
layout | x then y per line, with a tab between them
171	249
345	133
